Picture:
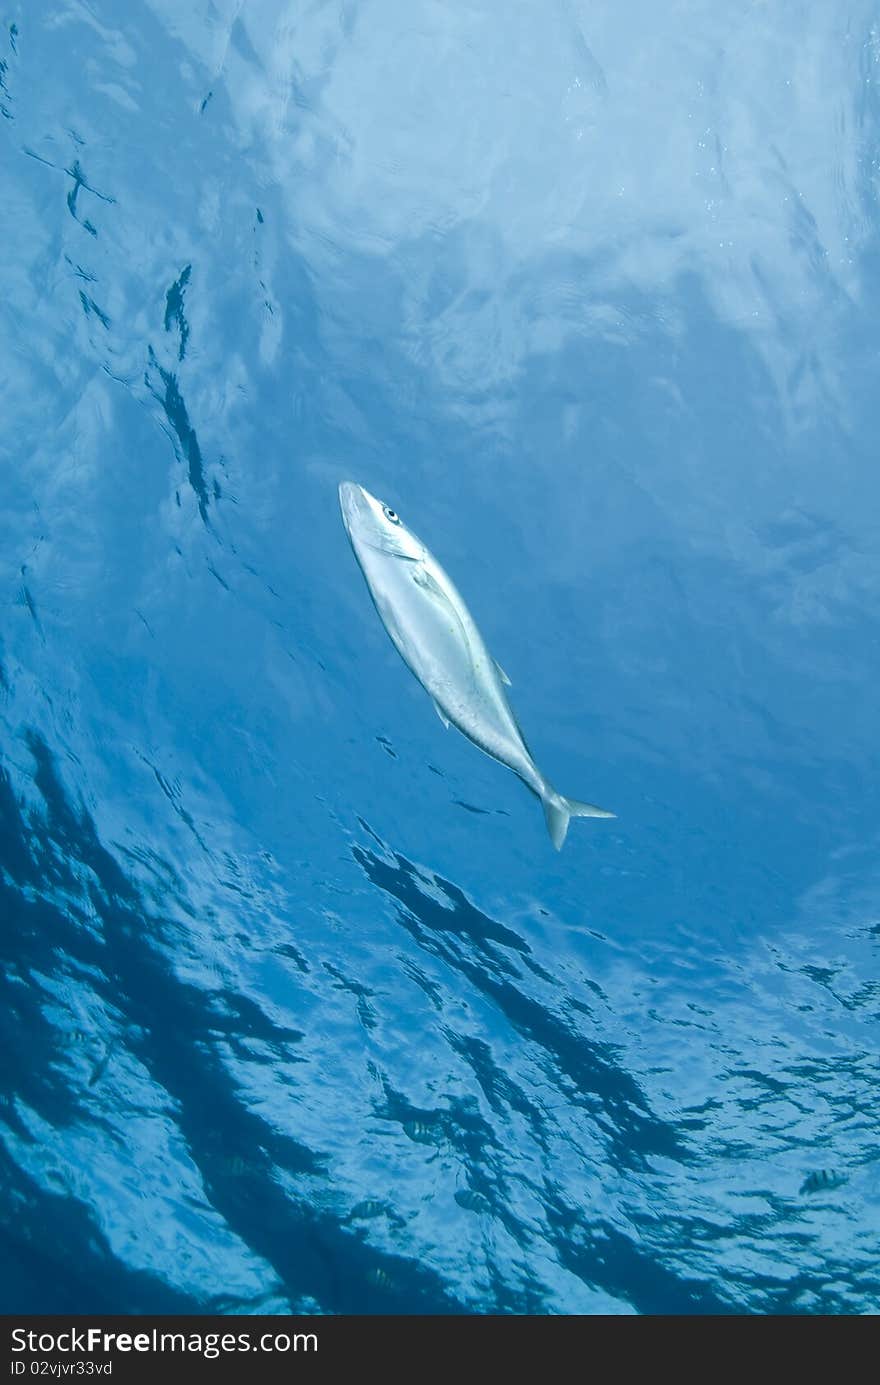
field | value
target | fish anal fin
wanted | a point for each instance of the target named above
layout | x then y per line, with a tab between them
441	714
501	674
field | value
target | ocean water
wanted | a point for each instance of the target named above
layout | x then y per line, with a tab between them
300	1010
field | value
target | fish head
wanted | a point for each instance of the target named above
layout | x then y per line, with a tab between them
372	524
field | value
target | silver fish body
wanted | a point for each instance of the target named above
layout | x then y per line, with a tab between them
439	641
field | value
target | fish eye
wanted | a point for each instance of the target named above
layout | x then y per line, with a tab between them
389	514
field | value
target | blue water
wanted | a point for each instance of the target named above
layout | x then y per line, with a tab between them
300	1010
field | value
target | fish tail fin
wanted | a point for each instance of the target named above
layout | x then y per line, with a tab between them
558	812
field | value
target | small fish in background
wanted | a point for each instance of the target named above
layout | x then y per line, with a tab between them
472	1201
222	1165
101	1066
370	1207
380	1279
822	1181
237	1166
420	1132
80	1039
438	640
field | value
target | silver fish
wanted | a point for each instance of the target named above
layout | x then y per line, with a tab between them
436	636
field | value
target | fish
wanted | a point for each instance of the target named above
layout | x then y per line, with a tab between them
822	1181
438	639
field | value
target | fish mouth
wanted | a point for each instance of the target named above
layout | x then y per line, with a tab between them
366	526
354	502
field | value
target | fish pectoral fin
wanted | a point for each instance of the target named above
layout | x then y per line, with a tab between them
422	578
441	714
429	584
501	674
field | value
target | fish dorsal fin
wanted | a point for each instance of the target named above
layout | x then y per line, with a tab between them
501	674
441	714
